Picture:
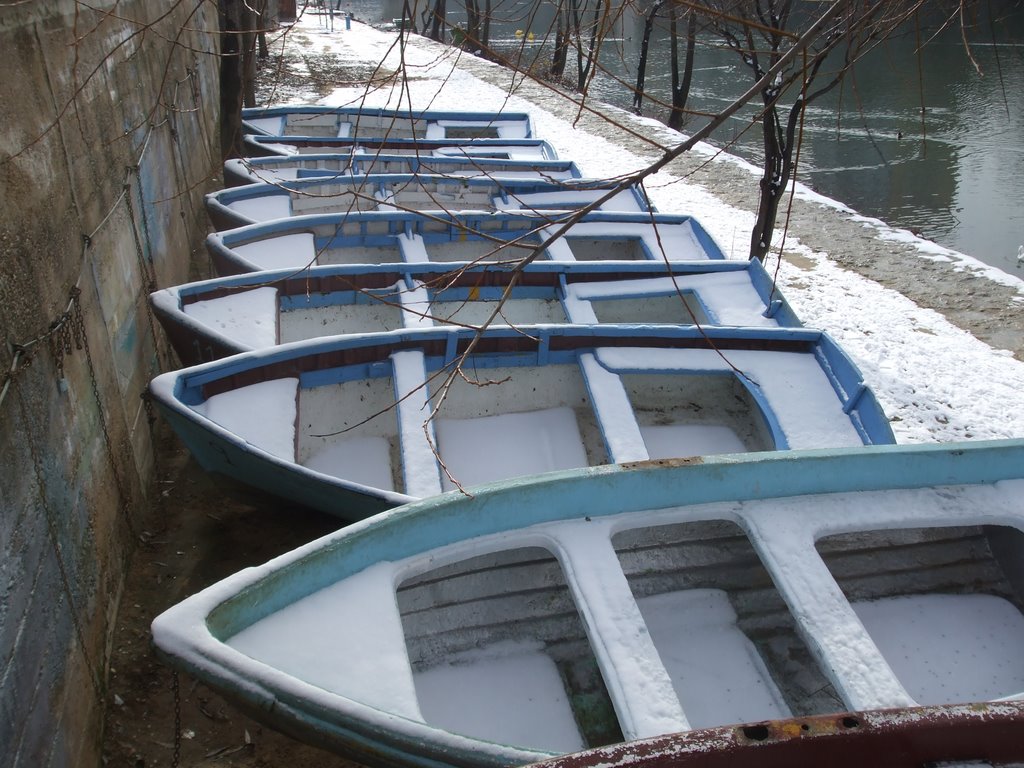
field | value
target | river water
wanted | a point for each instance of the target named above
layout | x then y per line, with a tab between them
915	137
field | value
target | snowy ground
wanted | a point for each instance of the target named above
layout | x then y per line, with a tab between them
937	381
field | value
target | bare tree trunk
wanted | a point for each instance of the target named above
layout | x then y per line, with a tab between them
261	32
681	85
437	21
641	68
230	79
472	25
574	6
485	32
561	51
583	71
248	34
776	174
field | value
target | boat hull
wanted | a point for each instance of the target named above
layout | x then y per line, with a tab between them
507	149
254	203
499	238
256	170
370	122
936	485
215	318
353	436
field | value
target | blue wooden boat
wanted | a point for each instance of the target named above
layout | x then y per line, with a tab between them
275	169
355	424
542	615
500	238
255	145
348	122
253	203
214	318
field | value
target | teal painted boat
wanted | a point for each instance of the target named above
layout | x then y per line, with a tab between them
274	169
506	239
210	319
352	425
312	120
543	615
395	193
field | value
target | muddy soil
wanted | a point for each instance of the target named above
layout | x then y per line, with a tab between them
202	529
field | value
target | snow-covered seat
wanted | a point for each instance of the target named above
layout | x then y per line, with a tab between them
489	448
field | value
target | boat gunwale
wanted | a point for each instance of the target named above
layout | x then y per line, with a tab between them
263	145
245	170
426	115
372	187
330	278
455	226
558	277
448	343
977	733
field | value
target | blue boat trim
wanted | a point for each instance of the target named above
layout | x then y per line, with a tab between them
521	230
504	149
339	285
254	170
343	190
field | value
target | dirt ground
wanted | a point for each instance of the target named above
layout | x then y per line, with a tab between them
203	529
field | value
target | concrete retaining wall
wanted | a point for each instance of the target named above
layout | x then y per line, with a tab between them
108	139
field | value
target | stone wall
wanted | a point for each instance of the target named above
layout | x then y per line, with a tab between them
108	139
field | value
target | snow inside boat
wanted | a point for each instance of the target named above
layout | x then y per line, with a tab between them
256	145
352	425
238	206
501	238
255	170
543	615
369	122
214	318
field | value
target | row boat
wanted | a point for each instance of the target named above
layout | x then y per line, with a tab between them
238	206
214	318
352	425
276	169
257	145
540	616
367	122
502	238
